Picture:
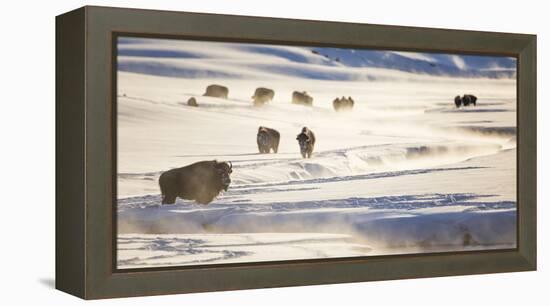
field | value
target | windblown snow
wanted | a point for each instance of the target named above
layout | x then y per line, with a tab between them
404	172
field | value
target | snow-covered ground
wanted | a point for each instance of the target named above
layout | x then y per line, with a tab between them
404	172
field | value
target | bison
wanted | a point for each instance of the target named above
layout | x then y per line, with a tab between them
466	100
302	98
306	140
343	103
217	91
458	101
267	140
262	95
201	181
192	102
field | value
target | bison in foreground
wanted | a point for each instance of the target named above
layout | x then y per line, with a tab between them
343	104
306	140
262	95
267	139
201	181
217	91
302	98
466	100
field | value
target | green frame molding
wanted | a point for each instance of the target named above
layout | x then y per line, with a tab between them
86	152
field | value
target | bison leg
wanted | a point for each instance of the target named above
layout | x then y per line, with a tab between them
169	198
168	188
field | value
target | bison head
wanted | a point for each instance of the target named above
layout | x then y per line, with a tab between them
304	141
263	137
224	170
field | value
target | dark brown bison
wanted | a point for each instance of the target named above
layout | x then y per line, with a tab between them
343	103
466	100
217	91
201	181
306	140
469	99
192	102
302	98
267	140
262	95
458	101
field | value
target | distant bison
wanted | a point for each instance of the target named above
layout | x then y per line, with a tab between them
302	98
343	104
267	140
192	102
306	140
201	181
469	99
458	101
217	91
262	95
466	100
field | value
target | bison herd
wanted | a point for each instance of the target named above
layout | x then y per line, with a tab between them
204	180
263	95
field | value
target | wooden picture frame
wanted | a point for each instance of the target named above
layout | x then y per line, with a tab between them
86	151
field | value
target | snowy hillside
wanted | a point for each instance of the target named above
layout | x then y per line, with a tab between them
403	172
307	62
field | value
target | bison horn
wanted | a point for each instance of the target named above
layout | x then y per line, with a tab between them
230	165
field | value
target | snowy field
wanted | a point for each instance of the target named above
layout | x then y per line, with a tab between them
404	172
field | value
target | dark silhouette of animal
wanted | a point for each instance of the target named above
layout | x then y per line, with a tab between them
262	95
306	140
466	100
458	101
267	140
217	91
469	99
302	98
201	181
192	102
343	103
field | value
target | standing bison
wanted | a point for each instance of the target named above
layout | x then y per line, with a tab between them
262	95
217	91
458	101
267	139
302	98
343	104
469	99
466	100
306	140
201	181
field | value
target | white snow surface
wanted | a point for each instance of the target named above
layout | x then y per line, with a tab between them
403	172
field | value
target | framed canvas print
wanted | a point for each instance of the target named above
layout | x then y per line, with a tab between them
200	152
